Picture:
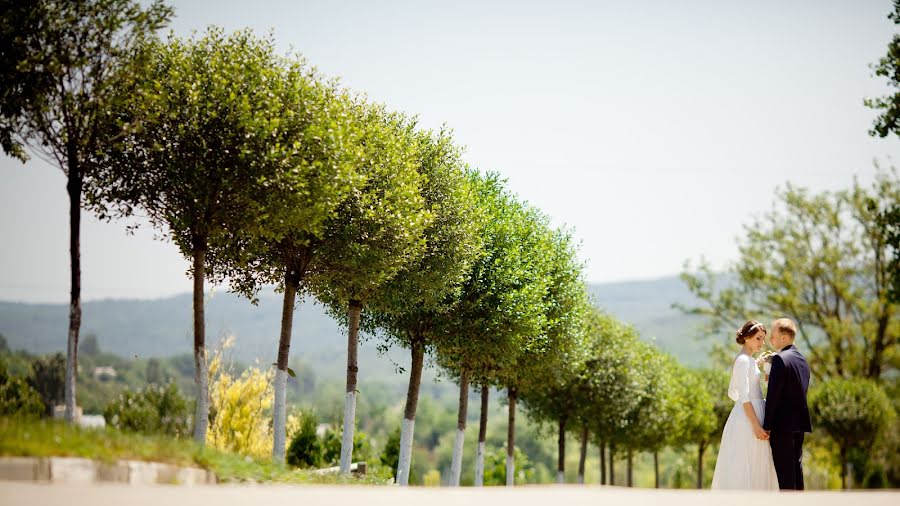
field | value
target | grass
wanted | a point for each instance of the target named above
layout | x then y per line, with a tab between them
52	438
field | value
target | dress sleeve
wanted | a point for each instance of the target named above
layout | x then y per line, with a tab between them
739	386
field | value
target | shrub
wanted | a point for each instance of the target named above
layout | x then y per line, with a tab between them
48	378
305	449
17	398
153	409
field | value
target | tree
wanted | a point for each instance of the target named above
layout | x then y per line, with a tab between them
499	305
423	293
202	155
889	122
854	412
612	392
58	78
374	234
317	174
703	409
888	67
17	398
824	260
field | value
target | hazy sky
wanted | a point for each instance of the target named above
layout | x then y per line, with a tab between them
655	128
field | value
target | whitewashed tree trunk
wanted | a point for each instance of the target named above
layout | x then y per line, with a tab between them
406	442
279	416
409	415
201	375
456	465
353	312
482	433
511	439
348	432
279	413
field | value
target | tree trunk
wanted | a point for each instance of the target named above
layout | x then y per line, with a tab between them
561	452
409	415
482	434
602	463
844	473
73	186
354	310
201	376
656	467
630	467
612	464
456	465
700	449
511	439
583	457
279	413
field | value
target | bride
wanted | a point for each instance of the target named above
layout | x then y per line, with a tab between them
745	457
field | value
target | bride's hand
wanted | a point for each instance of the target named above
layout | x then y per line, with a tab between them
760	433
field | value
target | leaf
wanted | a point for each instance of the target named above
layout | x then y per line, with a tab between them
291	372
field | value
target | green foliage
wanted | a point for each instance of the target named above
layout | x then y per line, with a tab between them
154	409
888	67
57	63
17	398
48	378
89	345
305	449
390	456
821	259
854	413
495	467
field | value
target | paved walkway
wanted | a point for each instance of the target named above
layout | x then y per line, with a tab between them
28	494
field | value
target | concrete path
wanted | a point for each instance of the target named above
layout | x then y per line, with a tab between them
29	494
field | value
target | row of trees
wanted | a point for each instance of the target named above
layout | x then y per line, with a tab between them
262	171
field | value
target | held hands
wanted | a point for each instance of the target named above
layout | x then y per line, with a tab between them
760	433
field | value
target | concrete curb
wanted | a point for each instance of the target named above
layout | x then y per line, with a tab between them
81	471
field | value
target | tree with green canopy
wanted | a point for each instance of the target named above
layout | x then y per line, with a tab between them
703	409
59	61
422	295
557	391
609	377
497	308
557	273
824	259
321	170
377	231
203	154
854	413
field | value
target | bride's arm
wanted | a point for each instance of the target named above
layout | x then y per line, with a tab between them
742	370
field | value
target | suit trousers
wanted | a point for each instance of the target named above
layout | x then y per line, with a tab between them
787	448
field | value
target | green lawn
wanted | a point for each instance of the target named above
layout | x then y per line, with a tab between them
50	438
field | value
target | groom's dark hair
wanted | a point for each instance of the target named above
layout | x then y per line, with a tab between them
785	326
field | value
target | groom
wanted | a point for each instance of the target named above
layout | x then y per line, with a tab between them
787	415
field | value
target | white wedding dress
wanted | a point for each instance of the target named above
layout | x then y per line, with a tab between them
744	462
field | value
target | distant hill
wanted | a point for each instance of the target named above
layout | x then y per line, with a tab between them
162	327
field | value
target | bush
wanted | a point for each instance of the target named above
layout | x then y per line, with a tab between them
854	412
17	398
305	449
153	409
48	378
390	457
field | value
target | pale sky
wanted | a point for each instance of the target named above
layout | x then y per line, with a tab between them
655	128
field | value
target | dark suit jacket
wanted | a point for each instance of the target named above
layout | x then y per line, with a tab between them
786	408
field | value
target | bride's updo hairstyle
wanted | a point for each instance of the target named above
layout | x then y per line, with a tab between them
749	329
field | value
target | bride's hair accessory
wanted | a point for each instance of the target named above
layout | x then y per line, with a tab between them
748	329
